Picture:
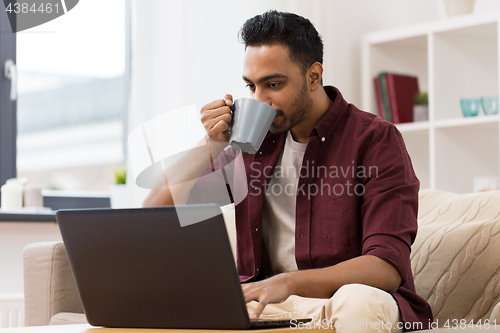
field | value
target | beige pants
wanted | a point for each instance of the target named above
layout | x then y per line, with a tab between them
353	308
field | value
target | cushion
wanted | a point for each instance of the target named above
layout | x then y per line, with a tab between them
455	256
49	287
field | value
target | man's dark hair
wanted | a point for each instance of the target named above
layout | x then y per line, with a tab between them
296	32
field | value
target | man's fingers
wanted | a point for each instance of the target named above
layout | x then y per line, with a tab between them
218	124
216	118
264	292
250	297
220	127
258	310
214	105
208	116
224	110
216	121
251	291
228	99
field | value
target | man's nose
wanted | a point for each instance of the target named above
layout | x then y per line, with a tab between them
260	96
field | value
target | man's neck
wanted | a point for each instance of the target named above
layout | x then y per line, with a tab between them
321	104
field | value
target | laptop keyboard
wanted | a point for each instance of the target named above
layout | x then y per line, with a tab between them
260	323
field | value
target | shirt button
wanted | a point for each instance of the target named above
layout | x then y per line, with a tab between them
260	152
302	236
257	270
274	141
323	139
256	229
255	188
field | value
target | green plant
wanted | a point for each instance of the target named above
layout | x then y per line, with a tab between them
422	98
120	175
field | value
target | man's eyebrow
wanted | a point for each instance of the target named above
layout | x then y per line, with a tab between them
266	78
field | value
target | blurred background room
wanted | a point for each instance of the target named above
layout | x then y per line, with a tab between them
86	79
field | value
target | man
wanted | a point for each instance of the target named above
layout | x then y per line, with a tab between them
334	243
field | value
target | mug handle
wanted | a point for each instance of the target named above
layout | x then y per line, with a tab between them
230	128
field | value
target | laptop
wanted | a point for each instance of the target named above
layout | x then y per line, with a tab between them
139	268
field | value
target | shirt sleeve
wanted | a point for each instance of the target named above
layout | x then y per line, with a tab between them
213	185
390	201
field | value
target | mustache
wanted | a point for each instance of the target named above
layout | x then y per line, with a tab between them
280	112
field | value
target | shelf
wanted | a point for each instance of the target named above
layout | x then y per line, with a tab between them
450	24
461	155
27	217
465	66
412	127
470	121
453	59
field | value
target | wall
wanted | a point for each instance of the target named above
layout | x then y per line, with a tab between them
187	52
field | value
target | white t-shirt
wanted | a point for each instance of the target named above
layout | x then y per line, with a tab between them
278	222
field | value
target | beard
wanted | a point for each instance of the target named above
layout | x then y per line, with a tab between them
301	106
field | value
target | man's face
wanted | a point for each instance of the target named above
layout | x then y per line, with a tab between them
275	79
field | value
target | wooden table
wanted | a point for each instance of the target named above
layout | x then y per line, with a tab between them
86	328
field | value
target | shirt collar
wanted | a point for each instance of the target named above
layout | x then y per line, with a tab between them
324	128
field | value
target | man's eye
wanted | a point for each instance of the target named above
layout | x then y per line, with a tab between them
250	86
274	85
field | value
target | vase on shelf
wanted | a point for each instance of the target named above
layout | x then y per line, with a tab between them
118	196
420	113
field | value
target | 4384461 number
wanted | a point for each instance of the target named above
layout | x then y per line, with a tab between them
462	323
25	8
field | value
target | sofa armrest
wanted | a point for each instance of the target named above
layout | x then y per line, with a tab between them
49	287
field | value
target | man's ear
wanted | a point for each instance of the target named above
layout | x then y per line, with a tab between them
314	75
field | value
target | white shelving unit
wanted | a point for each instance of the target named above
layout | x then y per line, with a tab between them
454	58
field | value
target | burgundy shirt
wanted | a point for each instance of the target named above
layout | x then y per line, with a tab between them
357	195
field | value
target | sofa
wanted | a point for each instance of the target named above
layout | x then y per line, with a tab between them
455	260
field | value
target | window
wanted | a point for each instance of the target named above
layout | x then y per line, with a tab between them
72	97
7	107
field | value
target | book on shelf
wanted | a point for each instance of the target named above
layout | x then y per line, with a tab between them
402	90
395	94
385	97
378	96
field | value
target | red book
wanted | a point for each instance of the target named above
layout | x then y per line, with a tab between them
402	90
378	95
